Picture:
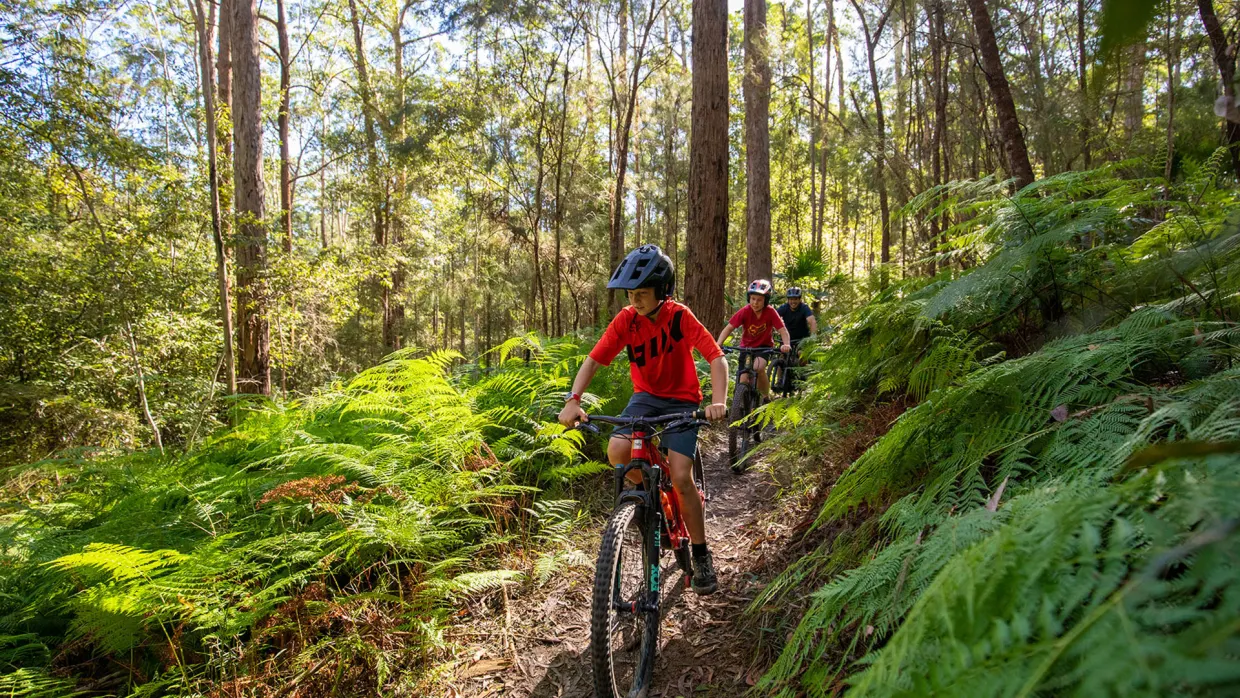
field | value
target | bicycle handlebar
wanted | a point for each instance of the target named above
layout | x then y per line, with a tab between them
649	421
749	350
679	419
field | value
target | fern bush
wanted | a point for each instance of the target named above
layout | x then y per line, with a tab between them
1056	515
393	496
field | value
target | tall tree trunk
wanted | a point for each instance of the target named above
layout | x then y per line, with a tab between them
708	164
1225	61
880	154
1001	93
323	199
1174	25
639	206
223	73
395	318
813	109
824	127
938	41
1083	84
286	177
558	221
757	88
622	118
671	193
202	27
899	128
375	194
1133	89
254	374
627	99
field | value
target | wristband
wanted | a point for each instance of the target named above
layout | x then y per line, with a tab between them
573	396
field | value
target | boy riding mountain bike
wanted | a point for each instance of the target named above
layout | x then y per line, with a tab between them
799	318
659	335
758	320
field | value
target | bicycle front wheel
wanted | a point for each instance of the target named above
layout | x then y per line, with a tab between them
623	635
738	436
699	474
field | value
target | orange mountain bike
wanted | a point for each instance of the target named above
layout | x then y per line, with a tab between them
624	618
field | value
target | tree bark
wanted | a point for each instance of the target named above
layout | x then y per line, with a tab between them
1001	93
1174	25
376	195
1083	84
202	27
558	220
286	177
627	101
1133	90
757	90
223	73
622	119
880	153
708	164
938	40
394	319
814	227
1225	61
824	124
253	331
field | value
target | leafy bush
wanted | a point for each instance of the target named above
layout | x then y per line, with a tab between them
385	500
1057	514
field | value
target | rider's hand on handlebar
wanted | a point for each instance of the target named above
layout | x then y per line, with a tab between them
572	413
785	348
716	411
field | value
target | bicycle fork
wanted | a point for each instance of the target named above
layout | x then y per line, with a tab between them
651	526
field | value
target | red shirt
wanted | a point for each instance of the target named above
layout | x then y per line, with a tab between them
660	350
757	327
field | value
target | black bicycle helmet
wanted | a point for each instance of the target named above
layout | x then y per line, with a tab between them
645	267
793	292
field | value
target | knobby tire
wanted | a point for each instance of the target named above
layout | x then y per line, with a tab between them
619	668
738	436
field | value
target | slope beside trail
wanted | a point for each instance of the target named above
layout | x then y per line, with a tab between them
537	644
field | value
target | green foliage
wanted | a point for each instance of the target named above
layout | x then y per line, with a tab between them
399	491
1061	521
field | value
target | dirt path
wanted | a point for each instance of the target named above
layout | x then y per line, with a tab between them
538	644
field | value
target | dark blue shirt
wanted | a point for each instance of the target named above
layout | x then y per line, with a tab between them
797	321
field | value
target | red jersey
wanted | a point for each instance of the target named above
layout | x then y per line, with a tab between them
660	350
756	328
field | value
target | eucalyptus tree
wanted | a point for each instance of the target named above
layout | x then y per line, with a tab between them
707	234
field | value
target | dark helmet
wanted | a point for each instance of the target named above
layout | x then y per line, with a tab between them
794	292
761	287
645	267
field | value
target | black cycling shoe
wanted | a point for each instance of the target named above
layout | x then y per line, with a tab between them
704	580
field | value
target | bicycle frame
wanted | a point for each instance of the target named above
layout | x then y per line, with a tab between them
649	460
660	524
744	365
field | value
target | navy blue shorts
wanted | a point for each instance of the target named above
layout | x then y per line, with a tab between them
683	440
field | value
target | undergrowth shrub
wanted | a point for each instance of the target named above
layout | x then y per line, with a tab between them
1056	513
340	532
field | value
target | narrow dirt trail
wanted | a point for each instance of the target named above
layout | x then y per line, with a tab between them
538	645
